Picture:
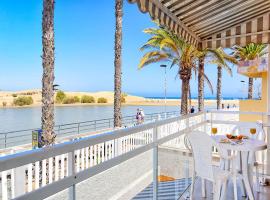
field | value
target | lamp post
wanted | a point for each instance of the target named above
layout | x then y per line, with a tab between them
243	87
55	87
165	87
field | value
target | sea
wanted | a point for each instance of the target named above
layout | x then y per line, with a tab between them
12	119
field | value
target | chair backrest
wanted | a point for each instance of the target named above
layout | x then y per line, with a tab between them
201	145
244	129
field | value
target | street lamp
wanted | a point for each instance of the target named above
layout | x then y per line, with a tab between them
55	87
243	88
165	86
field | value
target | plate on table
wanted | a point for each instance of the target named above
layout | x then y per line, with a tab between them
235	139
225	141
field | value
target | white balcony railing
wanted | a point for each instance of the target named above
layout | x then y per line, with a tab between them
41	173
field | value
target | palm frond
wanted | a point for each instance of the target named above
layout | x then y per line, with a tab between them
152	57
208	82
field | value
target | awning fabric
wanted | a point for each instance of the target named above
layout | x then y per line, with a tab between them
160	13
213	23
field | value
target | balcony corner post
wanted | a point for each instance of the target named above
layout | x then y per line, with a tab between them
71	172
268	111
155	163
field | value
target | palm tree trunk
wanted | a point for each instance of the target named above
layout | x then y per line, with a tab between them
219	80
185	75
47	118
201	85
117	63
250	88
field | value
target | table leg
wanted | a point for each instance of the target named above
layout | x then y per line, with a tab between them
246	175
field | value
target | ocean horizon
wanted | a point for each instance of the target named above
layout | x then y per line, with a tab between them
207	98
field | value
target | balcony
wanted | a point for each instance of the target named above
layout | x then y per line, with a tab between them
149	161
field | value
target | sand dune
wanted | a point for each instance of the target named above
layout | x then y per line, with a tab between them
7	97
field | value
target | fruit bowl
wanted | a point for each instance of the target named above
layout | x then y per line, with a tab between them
234	137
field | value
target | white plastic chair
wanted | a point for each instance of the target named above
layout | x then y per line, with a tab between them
201	147
244	129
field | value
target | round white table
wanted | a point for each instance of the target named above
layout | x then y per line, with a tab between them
249	146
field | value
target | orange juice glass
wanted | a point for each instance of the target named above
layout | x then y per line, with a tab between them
214	130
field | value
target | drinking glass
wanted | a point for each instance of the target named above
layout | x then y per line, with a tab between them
252	132
214	130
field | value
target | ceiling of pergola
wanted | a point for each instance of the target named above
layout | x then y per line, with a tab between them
213	22
207	17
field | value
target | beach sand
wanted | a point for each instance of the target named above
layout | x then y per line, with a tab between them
7	97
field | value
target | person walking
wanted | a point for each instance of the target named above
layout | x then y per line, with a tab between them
192	110
142	115
138	117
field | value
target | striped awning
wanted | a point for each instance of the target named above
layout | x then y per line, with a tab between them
213	23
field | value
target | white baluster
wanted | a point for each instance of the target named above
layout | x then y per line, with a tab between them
129	143
107	144
87	157
91	156
102	152
30	178
56	171
99	154
50	170
4	185
82	159
63	166
112	149
37	175
77	152
17	181
44	177
95	154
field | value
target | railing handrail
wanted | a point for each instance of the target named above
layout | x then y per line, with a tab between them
238	112
81	122
31	156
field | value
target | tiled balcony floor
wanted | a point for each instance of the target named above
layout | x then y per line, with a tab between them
264	193
169	190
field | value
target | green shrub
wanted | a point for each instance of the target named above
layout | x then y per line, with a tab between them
60	96
14	95
102	100
22	101
123	98
69	100
76	99
87	99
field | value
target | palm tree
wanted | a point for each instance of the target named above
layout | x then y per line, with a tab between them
201	84
47	118
117	63
249	52
166	46
222	65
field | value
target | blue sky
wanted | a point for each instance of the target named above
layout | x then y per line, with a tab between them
84	41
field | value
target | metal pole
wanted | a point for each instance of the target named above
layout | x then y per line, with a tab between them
155	165
165	88
268	110
5	140
78	128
